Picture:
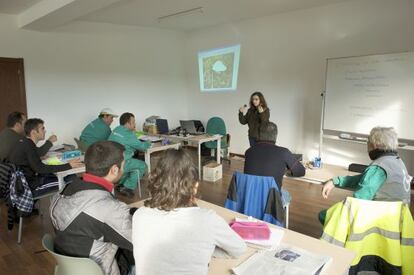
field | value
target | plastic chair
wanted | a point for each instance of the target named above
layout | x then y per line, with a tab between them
81	145
67	265
286	199
20	230
216	126
139	187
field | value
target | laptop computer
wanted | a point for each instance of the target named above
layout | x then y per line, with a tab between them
162	126
189	127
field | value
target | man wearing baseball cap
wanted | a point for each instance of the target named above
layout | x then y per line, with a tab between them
98	129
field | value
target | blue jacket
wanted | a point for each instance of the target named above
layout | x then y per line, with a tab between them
256	196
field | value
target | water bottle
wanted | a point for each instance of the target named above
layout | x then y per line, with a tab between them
317	162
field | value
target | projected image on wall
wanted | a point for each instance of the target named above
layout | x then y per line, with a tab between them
219	68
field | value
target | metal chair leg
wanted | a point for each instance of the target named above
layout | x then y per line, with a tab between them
287	217
20	230
139	187
19	234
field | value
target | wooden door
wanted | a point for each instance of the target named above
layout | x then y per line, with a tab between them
12	88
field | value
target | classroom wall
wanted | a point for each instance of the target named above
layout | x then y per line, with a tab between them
152	71
284	56
73	72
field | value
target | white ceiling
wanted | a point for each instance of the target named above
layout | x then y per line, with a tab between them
215	12
146	12
16	6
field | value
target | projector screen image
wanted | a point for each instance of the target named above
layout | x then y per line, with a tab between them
219	68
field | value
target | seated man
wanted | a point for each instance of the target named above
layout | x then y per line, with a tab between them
385	179
134	169
11	135
98	129
88	220
25	155
265	158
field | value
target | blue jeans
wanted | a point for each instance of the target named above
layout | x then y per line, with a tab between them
252	141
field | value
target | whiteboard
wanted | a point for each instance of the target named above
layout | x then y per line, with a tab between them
368	91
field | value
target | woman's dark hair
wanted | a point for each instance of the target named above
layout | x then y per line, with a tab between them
101	156
262	100
14	118
32	124
125	117
171	184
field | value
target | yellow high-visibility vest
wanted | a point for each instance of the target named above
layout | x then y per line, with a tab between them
380	233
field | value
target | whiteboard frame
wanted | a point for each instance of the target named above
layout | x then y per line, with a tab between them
331	132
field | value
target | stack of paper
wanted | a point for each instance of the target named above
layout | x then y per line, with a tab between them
150	138
57	147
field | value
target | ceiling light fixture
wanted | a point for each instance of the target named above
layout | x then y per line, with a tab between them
181	13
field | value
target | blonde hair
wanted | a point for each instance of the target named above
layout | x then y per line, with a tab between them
383	138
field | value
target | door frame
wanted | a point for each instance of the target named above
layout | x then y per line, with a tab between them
22	89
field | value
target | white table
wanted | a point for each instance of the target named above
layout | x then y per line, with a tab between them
325	173
198	140
341	257
62	174
73	171
156	147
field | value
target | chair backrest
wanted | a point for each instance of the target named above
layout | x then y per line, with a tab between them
381	234
81	145
70	265
6	170
216	125
256	196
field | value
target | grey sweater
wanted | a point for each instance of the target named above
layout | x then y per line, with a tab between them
8	140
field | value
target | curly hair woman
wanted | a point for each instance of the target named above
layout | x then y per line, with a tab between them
171	235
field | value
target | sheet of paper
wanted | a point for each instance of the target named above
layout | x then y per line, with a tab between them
57	147
276	236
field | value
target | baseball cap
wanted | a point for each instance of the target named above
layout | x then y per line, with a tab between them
108	111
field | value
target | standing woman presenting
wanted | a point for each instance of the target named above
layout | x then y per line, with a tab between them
257	115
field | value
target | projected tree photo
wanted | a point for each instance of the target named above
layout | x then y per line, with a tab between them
218	69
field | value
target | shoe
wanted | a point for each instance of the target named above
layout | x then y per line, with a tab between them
126	192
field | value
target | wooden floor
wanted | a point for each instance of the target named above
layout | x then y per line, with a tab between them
29	257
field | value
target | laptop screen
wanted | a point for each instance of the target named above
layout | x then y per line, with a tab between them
188	126
162	126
